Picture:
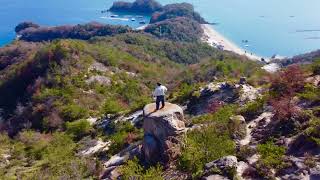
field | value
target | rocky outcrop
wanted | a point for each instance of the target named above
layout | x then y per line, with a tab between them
227	162
215	177
99	79
315	80
248	93
162	130
224	165
213	93
95	146
216	94
126	154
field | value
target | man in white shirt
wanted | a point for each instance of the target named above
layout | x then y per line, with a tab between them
160	93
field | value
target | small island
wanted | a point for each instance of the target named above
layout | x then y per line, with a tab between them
139	6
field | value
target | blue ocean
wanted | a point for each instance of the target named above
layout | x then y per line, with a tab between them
286	27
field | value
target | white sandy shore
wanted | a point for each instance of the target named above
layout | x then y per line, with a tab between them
142	27
211	36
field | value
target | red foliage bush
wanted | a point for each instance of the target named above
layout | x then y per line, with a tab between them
284	108
288	81
132	137
214	106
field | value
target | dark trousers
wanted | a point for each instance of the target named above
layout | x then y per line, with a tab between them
158	100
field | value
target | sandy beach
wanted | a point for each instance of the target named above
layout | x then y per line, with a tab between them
214	38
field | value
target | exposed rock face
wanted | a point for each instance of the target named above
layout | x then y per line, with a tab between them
213	93
248	93
315	80
99	79
161	132
219	93
96	147
215	177
126	154
96	66
224	164
227	162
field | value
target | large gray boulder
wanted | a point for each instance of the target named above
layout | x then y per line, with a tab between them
162	129
215	177
227	162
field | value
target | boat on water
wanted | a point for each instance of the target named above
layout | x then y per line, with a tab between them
114	15
140	17
104	11
133	19
246	45
142	22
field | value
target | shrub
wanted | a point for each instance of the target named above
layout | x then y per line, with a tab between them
78	129
272	156
123	134
284	108
316	67
220	116
203	146
183	92
214	106
4	143
73	112
133	170
245	152
44	156
60	160
310	160
287	82
310	93
111	106
313	130
253	109
34	143
237	128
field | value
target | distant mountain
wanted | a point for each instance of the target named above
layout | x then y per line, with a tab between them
306	58
36	33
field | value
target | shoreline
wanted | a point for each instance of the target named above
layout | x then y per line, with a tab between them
215	39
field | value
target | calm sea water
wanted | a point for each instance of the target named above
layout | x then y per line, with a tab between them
286	27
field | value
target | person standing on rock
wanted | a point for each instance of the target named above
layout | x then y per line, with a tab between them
159	93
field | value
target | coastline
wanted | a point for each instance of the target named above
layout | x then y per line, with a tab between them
211	36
